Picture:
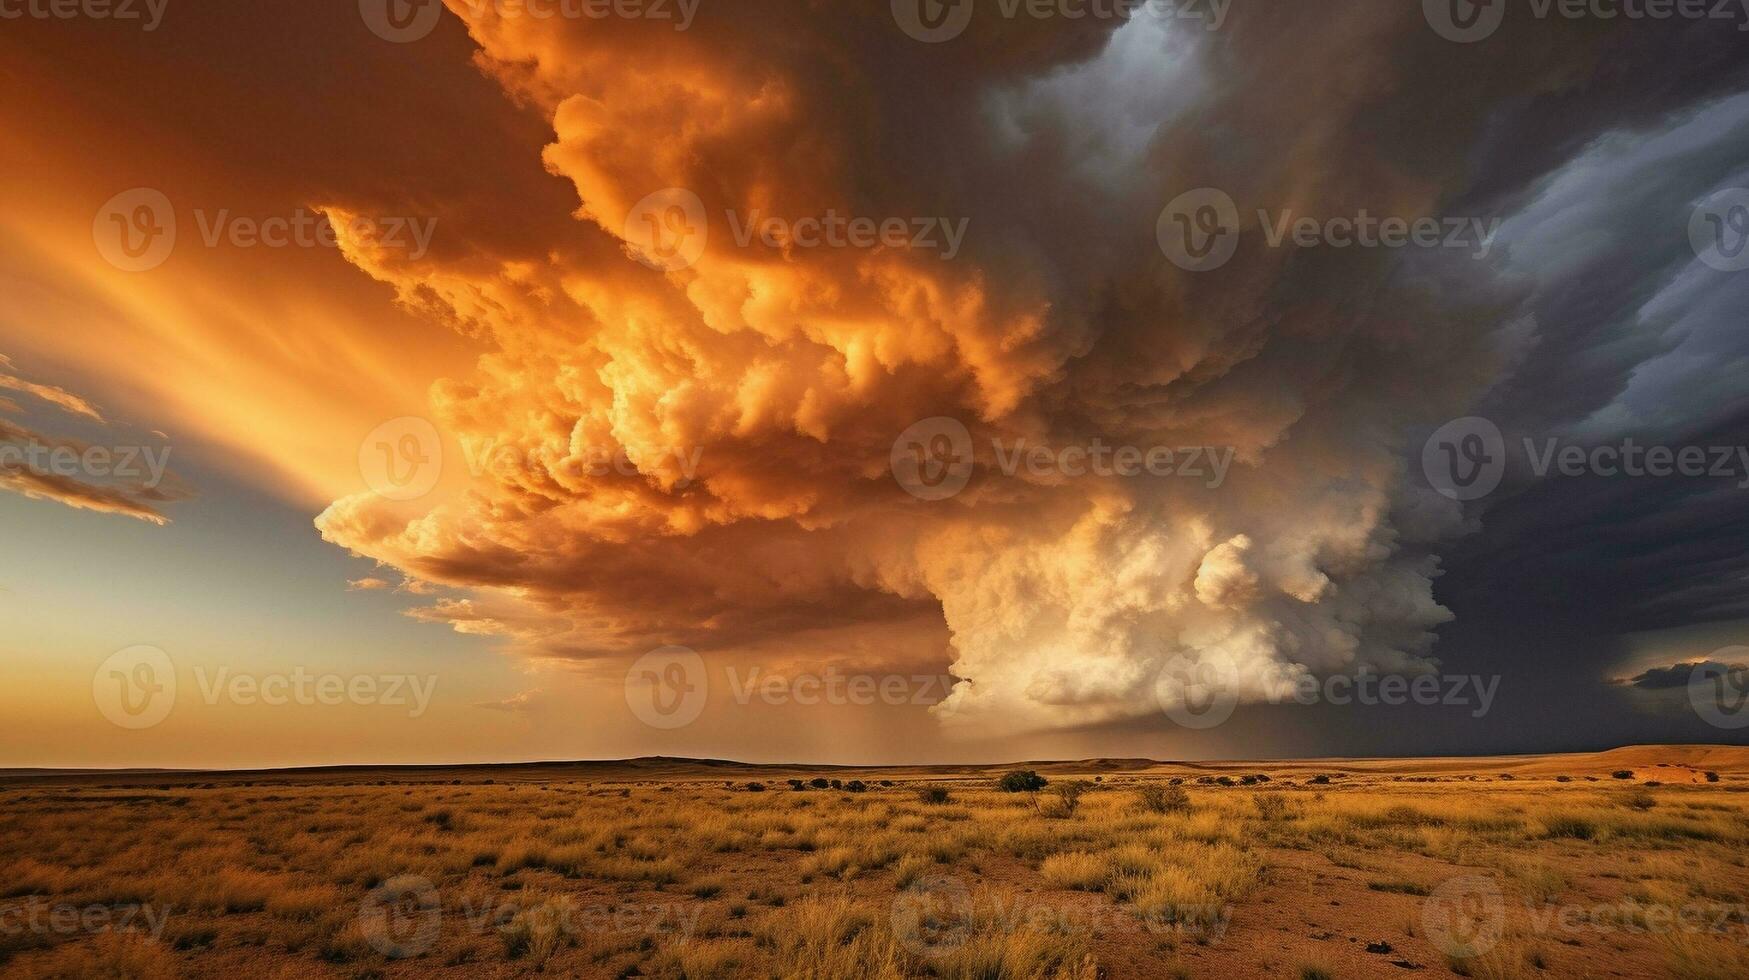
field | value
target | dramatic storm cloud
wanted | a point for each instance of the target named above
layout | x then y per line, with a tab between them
746	390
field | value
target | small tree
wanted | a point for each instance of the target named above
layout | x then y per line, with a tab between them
1623	774
855	786
1023	781
819	782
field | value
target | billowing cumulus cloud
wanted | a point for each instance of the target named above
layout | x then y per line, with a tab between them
698	452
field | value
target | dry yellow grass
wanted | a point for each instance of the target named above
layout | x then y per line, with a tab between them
692	879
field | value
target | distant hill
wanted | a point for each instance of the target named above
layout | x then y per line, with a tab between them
1665	763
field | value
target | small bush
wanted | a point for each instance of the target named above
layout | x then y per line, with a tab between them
1577	828
855	786
1155	798
1077	870
797	784
755	787
1270	806
819	782
933	794
1067	798
1712	777
1023	781
1641	800
1623	774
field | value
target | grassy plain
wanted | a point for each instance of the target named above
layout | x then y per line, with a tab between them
1628	863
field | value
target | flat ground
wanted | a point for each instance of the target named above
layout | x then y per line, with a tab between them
1628	863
